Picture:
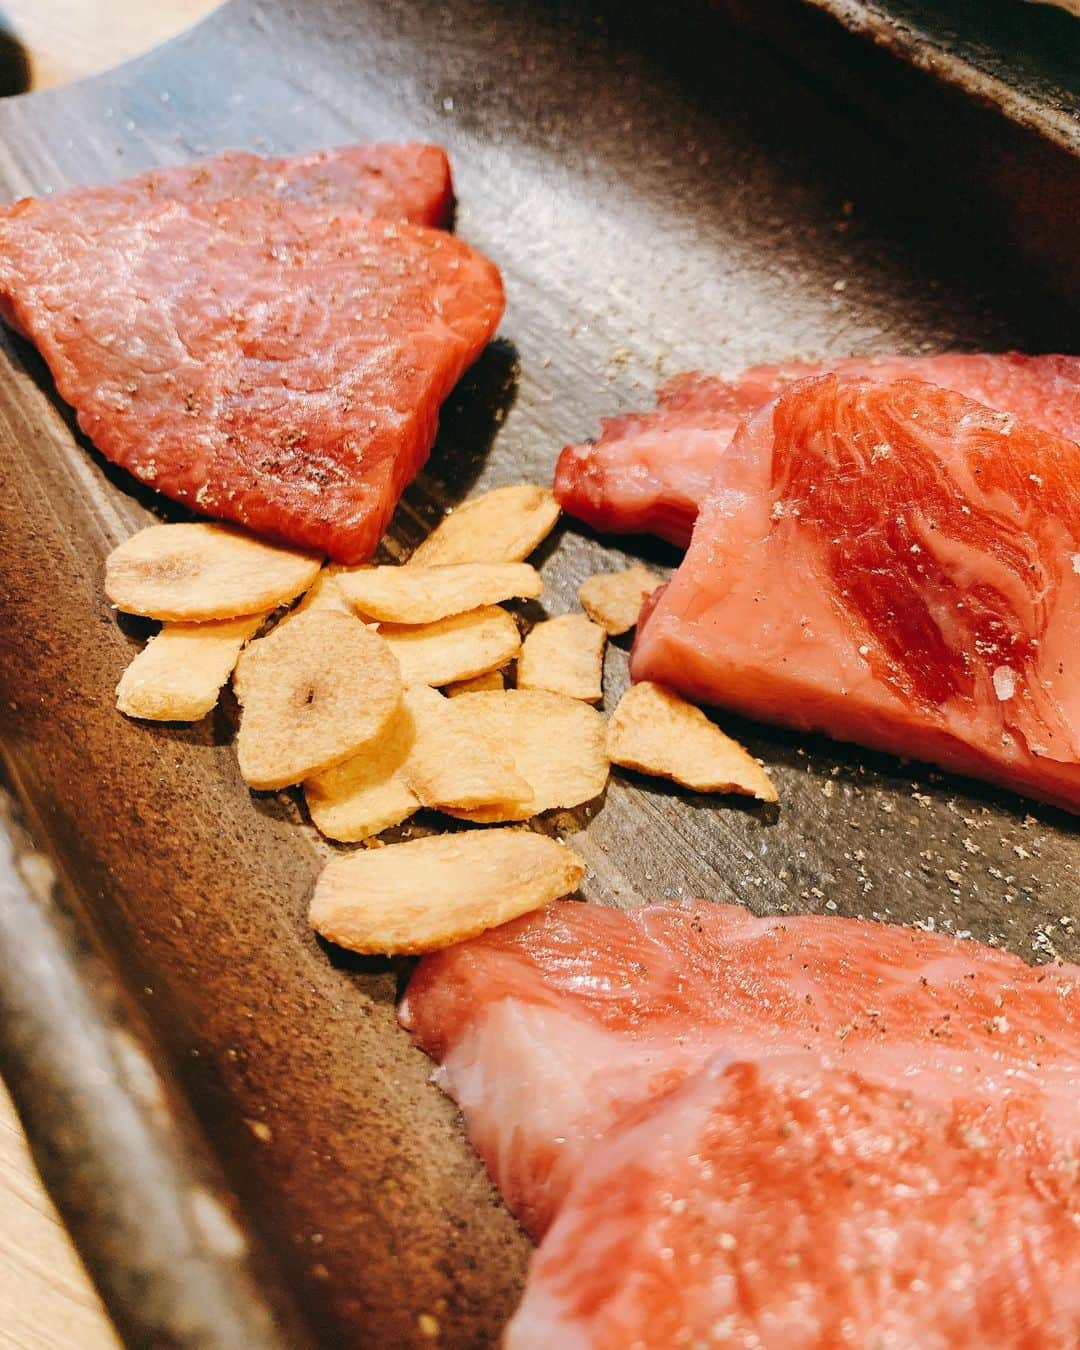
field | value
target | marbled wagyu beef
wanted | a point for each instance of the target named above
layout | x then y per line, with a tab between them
894	565
648	473
805	1132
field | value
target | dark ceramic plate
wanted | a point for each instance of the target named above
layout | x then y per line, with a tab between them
246	1146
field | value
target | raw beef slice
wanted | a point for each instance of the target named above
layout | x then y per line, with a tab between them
768	1132
552	1030
648	473
781	1206
895	565
395	182
269	363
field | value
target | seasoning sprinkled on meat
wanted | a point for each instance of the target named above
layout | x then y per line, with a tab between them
275	364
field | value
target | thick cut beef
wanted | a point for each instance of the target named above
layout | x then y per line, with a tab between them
782	1206
648	473
553	1029
395	182
895	565
275	364
768	1132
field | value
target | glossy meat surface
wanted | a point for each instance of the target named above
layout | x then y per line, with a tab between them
648	473
780	1204
895	565
275	364
768	1132
552	1029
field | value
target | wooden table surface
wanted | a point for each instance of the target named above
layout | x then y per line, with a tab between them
69	39
46	1300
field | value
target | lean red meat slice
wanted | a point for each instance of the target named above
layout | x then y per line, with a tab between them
268	363
648	473
780	1204
395	182
894	565
553	1030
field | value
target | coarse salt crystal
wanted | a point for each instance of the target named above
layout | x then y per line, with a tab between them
1004	682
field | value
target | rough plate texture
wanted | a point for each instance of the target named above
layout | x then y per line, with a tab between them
685	197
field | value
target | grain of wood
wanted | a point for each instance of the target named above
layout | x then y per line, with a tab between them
46	1299
69	39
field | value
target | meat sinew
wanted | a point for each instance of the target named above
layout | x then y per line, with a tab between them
808	1131
648	473
894	565
395	182
275	364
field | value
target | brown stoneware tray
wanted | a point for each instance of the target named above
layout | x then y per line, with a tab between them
246	1146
